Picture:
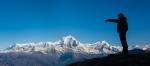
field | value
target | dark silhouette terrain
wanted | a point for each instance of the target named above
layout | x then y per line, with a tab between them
122	28
135	57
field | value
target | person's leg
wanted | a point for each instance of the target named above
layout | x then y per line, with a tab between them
124	43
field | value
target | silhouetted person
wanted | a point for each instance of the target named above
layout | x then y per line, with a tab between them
122	28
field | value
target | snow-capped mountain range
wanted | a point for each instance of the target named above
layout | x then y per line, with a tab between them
64	45
68	50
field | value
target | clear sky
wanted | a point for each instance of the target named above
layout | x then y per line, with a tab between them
23	21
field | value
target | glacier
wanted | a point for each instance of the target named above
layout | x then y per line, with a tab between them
62	52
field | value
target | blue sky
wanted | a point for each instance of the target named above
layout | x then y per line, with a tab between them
23	21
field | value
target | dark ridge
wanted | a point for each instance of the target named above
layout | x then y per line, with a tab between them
135	57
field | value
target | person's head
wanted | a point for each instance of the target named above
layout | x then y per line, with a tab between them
121	16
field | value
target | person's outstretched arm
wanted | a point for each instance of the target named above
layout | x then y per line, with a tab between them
112	20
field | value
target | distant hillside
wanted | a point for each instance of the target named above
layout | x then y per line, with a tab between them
136	57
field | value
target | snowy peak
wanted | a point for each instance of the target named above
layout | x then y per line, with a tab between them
70	41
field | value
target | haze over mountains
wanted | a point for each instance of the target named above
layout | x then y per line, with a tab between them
65	51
